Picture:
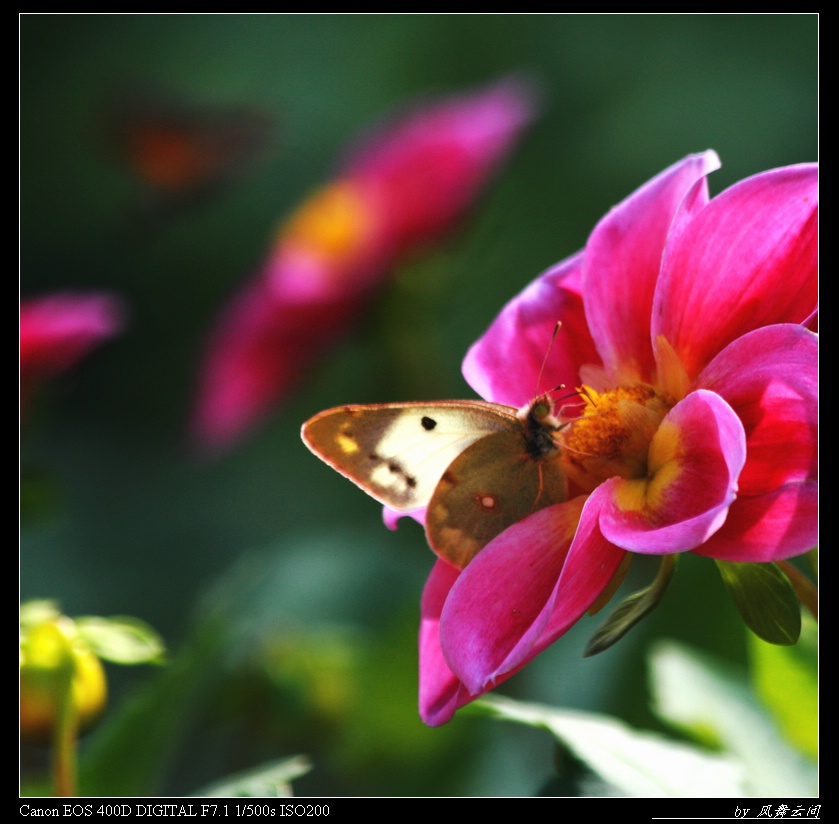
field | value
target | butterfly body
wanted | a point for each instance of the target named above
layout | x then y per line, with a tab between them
477	467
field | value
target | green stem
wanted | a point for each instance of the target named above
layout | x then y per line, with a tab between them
64	741
632	609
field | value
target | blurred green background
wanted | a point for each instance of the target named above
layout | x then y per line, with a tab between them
289	611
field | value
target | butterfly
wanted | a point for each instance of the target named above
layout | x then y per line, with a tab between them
477	467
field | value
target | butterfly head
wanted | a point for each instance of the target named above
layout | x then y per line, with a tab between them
540	410
540	427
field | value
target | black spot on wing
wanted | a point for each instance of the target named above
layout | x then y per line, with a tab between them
428	423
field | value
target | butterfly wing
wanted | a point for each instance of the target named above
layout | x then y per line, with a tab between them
398	452
490	486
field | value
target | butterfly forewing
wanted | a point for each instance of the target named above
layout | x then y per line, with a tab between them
398	452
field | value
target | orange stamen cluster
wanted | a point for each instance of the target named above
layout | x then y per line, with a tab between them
612	436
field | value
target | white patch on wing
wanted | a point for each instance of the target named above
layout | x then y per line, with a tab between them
424	453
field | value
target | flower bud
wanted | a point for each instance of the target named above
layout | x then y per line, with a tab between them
58	674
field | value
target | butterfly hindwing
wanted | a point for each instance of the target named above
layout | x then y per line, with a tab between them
492	485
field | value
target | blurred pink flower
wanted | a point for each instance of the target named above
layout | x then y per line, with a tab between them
405	185
59	329
685	325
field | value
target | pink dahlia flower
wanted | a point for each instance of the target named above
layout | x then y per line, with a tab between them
402	187
59	329
686	329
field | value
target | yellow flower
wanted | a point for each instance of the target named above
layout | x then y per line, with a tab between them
60	678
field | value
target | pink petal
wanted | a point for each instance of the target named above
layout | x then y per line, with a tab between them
770	378
391	517
748	259
499	605
770	527
622	264
514	598
440	691
257	351
428	164
589	568
695	458
58	329
504	365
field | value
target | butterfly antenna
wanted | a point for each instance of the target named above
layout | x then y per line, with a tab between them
547	355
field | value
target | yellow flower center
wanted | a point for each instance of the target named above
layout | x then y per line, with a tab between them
612	435
334	223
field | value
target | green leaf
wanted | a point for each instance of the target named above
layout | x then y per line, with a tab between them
130	753
786	681
37	611
266	781
122	640
632	609
707	699
634	762
765	599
